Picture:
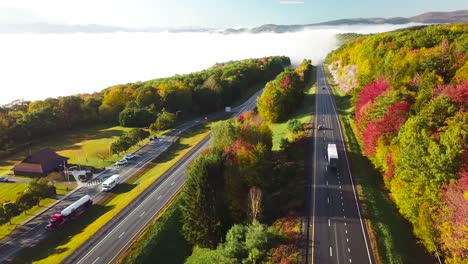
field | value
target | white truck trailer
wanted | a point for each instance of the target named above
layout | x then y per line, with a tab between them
71	211
332	155
111	182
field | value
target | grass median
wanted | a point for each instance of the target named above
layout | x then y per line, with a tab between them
58	246
391	235
303	113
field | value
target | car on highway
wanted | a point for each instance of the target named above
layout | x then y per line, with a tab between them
129	157
121	162
320	127
323	88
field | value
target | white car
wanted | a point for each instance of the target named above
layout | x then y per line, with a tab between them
121	162
129	157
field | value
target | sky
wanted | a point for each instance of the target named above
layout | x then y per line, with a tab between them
210	13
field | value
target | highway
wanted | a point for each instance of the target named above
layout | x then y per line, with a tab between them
163	189
336	232
113	239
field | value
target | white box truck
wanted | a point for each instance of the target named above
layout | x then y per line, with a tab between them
110	183
332	155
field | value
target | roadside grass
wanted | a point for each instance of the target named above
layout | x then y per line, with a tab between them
391	234
58	246
7	228
303	114
63	189
162	241
9	190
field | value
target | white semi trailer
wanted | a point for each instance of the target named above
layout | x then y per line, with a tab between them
332	155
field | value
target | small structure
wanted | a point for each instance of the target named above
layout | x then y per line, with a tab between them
40	163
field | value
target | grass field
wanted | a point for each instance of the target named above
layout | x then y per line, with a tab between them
390	231
303	114
9	190
58	246
80	146
6	229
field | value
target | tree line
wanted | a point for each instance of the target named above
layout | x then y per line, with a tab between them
235	186
135	104
284	94
410	104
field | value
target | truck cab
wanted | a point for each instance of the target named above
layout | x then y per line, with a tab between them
55	221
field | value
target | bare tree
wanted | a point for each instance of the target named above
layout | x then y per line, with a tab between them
255	202
102	154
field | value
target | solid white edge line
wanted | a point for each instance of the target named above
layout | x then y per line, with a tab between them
349	170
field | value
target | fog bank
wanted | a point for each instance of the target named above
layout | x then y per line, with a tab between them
37	66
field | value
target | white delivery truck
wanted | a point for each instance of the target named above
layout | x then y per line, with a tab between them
332	155
110	183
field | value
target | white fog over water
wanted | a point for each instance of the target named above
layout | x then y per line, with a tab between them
37	66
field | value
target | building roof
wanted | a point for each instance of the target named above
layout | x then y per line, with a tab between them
29	167
41	161
43	156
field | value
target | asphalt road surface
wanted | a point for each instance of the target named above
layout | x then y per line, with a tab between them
336	229
132	219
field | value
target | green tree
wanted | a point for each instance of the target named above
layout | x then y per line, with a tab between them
164	121
11	210
294	125
203	204
26	200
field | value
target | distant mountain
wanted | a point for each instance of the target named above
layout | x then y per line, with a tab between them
431	17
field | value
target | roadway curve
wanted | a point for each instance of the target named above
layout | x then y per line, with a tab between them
34	231
336	231
114	238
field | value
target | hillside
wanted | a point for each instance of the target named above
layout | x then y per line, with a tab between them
409	90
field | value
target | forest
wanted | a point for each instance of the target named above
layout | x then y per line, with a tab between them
137	104
409	91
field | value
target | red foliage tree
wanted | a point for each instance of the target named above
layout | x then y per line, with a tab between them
455	212
370	92
458	93
231	151
387	126
281	254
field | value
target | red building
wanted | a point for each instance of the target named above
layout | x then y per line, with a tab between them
40	164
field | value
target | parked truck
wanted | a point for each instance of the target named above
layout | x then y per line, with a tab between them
110	183
71	211
332	155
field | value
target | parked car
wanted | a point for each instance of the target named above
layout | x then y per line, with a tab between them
3	179
153	138
129	157
121	162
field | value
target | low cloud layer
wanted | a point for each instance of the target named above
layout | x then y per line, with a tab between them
37	66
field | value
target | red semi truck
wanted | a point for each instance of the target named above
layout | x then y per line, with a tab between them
72	210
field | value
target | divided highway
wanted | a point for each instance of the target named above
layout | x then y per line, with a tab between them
336	232
113	239
132	220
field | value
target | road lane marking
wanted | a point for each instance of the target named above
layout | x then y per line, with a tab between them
347	240
172	183
346	231
328	200
122	234
327	183
331	253
329	222
349	260
96	260
349	250
142	213
349	173
159	197
345	224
